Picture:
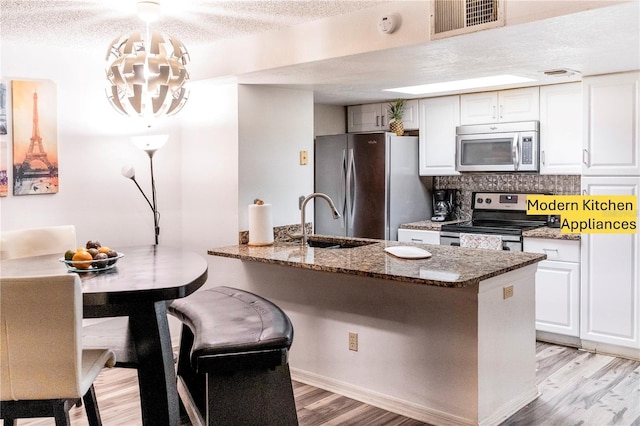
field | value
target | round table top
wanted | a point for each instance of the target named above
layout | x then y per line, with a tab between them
145	274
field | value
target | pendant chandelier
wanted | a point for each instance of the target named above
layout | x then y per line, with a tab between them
146	71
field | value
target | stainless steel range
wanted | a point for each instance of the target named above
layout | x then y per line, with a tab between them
495	213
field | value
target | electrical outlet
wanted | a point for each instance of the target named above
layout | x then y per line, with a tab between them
353	342
507	292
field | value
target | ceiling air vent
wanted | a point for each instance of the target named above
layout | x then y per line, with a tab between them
454	17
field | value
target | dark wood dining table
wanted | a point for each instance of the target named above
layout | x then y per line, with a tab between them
139	286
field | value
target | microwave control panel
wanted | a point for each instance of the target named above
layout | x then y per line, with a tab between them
527	150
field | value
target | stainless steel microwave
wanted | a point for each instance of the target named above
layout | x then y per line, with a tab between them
499	147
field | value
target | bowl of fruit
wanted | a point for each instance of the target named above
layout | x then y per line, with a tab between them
93	257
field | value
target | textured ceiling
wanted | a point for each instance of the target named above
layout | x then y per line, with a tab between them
87	23
598	41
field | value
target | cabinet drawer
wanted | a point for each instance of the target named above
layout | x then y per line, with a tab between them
418	236
562	250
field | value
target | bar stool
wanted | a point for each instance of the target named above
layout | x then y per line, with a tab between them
233	362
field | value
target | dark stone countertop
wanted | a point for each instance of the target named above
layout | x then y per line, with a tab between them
447	267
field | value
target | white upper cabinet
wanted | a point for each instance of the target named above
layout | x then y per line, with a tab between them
366	118
376	117
561	129
502	106
411	115
611	128
438	120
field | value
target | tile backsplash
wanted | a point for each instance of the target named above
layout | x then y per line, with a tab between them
507	182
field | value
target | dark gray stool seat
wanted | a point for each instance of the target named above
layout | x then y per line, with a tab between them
232	366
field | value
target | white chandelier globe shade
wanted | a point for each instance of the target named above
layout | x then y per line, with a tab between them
150	142
147	77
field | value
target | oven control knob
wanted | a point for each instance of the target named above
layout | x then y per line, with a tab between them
479	201
487	200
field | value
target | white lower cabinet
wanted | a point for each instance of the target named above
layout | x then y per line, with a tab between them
557	285
418	236
610	318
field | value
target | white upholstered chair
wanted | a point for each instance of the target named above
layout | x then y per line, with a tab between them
37	241
43	369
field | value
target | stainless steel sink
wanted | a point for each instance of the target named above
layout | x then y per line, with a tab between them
337	244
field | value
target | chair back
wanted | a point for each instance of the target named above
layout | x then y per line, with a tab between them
37	241
40	337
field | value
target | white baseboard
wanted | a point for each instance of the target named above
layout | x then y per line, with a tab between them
394	405
512	407
613	350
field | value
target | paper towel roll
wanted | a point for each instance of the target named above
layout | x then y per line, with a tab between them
260	225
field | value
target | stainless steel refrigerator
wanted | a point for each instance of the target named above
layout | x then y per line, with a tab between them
374	182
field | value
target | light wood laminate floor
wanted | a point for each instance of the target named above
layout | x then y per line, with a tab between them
577	388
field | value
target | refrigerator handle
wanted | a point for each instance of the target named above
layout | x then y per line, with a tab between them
342	194
351	184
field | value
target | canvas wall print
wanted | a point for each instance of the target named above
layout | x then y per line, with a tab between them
35	137
4	161
4	128
3	108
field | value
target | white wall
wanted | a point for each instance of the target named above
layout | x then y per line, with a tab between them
275	125
329	120
202	188
93	145
210	166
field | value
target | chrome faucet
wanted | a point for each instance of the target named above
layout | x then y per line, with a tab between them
334	211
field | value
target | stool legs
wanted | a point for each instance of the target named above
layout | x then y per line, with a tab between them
244	397
251	397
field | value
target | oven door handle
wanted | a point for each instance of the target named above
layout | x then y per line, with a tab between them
515	152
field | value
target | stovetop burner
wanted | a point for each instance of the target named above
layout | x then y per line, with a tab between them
498	213
491	227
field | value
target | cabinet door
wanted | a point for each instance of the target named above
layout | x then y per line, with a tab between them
611	128
519	104
503	106
558	297
365	118
410	117
479	108
610	290
418	236
438	120
561	129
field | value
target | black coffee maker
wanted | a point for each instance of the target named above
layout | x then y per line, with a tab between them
443	205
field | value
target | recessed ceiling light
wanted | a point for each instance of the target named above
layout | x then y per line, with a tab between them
472	83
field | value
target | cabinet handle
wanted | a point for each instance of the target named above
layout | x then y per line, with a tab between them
544	163
377	120
500	111
584	192
416	240
494	112
547	249
382	120
586	158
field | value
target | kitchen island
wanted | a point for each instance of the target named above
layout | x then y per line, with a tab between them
448	339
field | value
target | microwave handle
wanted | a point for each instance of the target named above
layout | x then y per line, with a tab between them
515	152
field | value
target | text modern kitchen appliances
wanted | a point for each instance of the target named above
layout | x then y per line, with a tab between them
443	204
495	213
374	182
499	147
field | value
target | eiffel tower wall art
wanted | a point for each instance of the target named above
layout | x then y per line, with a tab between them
35	137
4	160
